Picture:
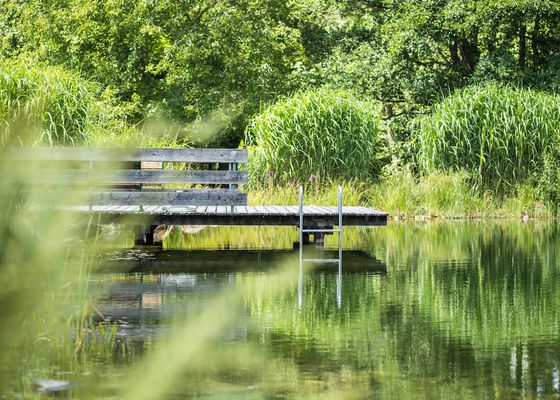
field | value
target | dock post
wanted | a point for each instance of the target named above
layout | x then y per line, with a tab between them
232	167
145	235
319	239
139	237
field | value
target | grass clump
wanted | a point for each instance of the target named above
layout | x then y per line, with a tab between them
327	133
51	99
57	104
496	134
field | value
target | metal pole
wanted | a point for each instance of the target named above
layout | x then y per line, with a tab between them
300	274
339	277
90	178
340	229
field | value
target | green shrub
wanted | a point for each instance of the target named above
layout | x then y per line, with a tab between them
56	104
498	135
549	181
322	132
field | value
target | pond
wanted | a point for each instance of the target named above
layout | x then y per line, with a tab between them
421	310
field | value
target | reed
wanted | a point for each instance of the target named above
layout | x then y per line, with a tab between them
326	133
497	134
56	101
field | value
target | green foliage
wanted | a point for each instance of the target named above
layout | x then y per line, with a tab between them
186	59
497	134
325	133
55	101
548	182
57	105
177	60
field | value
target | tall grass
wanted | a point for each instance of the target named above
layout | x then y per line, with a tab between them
62	108
52	99
326	133
496	134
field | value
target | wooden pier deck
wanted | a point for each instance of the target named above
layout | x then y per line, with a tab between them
142	187
315	216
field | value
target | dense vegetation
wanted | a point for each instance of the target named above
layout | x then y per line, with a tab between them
498	134
317	133
450	85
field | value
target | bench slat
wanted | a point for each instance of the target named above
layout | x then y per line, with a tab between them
101	154
188	197
148	177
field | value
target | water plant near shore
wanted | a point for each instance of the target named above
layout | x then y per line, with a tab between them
326	133
497	134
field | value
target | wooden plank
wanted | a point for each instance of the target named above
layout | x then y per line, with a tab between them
260	210
312	210
253	219
317	210
186	197
279	210
131	177
151	165
122	154
292	209
269	210
282	210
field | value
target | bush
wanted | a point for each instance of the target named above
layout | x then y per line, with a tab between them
549	180
497	134
57	104
324	133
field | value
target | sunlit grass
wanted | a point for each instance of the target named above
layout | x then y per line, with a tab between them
325	133
498	135
405	195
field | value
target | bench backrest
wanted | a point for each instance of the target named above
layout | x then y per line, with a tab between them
115	177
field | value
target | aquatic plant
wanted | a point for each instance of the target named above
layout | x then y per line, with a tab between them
52	99
497	134
325	133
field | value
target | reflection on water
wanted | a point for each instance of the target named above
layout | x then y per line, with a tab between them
461	309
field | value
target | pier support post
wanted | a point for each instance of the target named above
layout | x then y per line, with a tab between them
319	239
145	236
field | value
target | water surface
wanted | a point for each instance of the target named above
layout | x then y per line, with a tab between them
451	310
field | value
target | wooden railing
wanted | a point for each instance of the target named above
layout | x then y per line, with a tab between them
114	177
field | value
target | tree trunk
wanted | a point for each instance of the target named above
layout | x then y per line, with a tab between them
454	52
389	113
535	41
469	53
522	45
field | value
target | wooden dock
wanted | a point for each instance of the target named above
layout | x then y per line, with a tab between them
151	187
315	216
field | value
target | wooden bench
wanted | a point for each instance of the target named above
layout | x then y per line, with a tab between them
118	177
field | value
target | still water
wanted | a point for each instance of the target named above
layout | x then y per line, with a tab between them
421	310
